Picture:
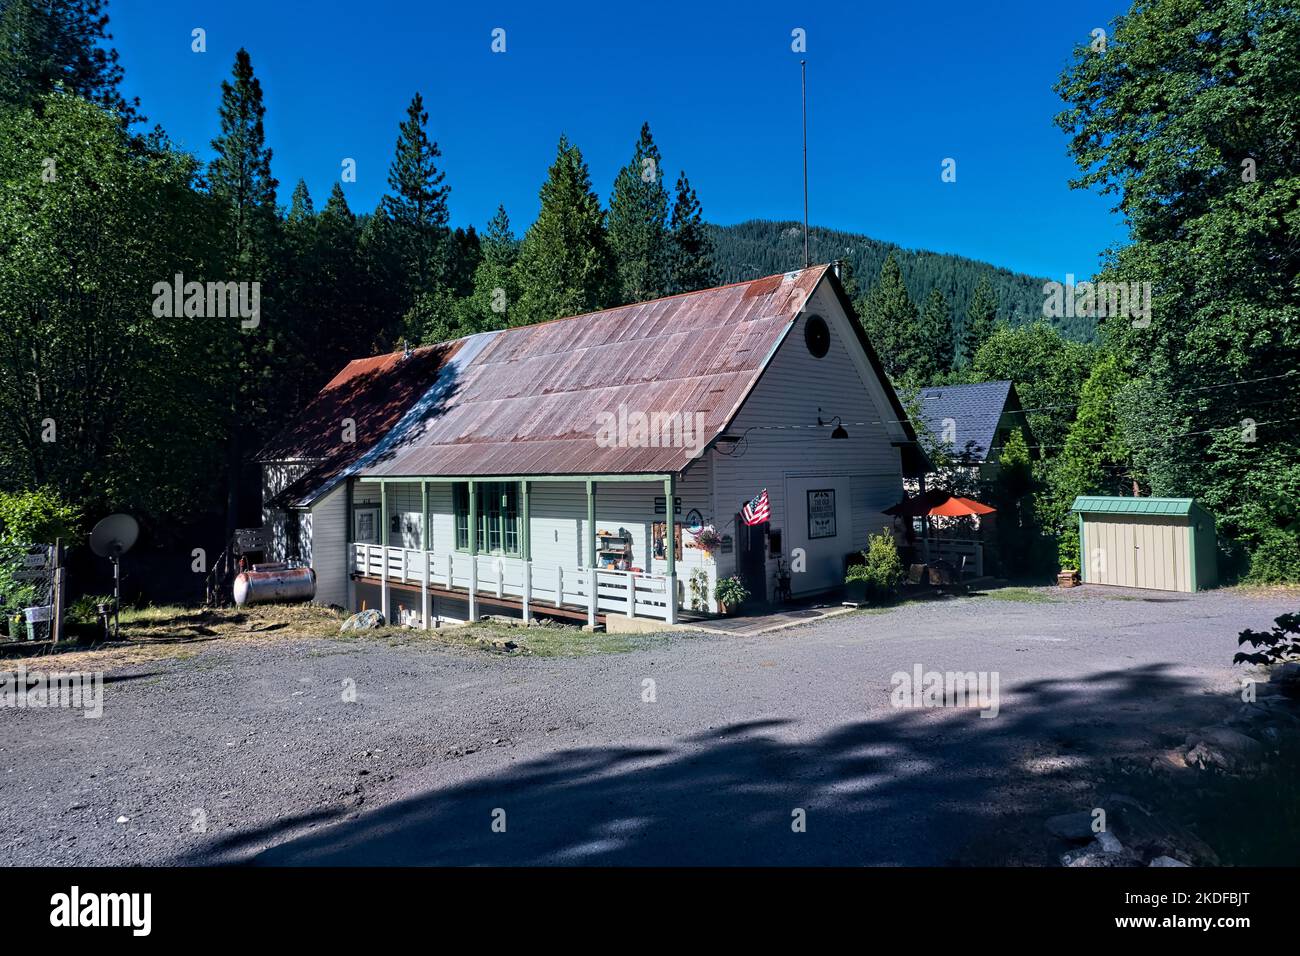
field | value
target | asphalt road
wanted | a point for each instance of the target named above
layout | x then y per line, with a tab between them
782	748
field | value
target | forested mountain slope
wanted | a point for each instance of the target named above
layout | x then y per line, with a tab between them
762	247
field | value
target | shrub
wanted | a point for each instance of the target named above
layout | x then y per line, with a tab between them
730	591
29	517
857	572
882	569
1282	644
1276	559
36	517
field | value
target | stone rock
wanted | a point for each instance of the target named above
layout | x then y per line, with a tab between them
1166	861
1149	834
1096	854
1223	747
363	621
1124	800
1076	827
1109	843
1171	761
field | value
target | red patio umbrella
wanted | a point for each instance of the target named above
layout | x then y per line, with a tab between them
938	503
957	507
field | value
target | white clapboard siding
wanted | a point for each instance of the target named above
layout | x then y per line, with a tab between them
329	552
792	389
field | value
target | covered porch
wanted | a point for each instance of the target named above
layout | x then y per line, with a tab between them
508	570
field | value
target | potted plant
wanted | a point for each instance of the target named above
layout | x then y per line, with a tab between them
879	576
708	538
856	584
730	593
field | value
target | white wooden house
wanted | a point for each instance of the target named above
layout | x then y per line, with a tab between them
564	468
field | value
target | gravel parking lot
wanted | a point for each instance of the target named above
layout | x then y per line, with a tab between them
693	749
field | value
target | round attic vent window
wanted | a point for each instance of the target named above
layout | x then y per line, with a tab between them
817	336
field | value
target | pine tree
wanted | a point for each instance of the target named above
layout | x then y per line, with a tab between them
465	254
981	316
494	288
890	319
240	180
382	276
60	44
565	266
691	259
849	281
418	204
240	176
500	248
638	223
301	208
934	355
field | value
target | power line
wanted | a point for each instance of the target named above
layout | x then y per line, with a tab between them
908	421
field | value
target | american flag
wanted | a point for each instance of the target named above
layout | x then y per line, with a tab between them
757	510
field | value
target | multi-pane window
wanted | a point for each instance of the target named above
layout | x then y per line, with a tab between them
498	516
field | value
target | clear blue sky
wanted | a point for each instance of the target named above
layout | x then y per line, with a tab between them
893	90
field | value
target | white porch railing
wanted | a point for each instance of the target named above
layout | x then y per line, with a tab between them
631	593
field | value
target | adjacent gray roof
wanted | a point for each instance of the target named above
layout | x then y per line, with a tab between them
971	413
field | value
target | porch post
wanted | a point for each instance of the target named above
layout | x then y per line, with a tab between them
592	598
473	552
670	548
526	549
349	582
424	556
383	550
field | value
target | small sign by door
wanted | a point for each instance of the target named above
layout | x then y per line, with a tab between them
821	513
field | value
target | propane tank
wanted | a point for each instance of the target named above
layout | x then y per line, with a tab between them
265	587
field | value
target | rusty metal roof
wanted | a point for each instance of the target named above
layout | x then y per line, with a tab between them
375	393
530	400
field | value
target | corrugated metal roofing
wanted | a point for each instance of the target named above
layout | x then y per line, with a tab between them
975	411
375	393
1100	504
531	400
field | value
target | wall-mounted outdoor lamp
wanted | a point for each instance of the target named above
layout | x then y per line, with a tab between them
839	431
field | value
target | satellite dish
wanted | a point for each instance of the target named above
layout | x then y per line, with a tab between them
113	536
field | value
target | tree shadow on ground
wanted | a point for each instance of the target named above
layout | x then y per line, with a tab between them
912	787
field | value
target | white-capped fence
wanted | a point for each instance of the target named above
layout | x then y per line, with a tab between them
535	586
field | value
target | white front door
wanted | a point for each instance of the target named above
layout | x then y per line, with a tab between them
818	522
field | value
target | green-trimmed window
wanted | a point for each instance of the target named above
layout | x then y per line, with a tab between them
498	516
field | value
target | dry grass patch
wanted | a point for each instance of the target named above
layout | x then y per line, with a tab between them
172	632
177	633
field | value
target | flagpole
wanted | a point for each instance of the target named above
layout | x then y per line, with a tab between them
803	83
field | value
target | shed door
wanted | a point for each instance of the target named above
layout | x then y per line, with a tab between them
1109	551
1160	554
1138	552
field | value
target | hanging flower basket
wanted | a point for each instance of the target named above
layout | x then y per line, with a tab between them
708	539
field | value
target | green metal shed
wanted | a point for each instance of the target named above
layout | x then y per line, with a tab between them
1166	544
